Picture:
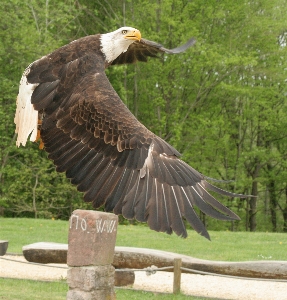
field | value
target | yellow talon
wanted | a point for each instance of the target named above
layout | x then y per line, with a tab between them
38	137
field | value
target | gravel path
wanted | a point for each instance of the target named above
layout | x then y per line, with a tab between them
197	285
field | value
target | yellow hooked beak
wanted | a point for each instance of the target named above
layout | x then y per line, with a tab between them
133	35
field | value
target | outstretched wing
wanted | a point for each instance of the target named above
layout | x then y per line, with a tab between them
108	154
141	50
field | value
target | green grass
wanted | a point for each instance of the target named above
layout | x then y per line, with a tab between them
12	289
123	294
19	289
227	246
22	231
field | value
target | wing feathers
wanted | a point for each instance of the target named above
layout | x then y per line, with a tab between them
214	203
180	49
105	151
140	51
117	192
123	189
128	209
157	215
83	170
98	182
68	161
162	193
191	216
177	209
109	186
68	155
143	198
77	170
43	94
86	184
200	202
223	192
62	149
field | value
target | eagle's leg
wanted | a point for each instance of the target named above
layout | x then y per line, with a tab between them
38	137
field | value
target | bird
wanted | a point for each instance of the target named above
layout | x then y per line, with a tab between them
66	100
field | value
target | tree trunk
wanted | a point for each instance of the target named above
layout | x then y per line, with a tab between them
247	214
253	207
34	197
285	213
273	204
255	174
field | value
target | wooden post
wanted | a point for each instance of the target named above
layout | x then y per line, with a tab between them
3	247
176	275
92	239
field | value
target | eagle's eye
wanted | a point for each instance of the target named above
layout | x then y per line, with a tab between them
124	31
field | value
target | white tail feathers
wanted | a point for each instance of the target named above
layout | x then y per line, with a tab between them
26	117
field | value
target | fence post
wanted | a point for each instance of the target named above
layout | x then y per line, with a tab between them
92	239
176	275
3	247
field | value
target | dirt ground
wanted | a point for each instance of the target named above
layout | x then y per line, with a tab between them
196	285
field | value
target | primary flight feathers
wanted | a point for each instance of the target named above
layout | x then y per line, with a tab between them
106	152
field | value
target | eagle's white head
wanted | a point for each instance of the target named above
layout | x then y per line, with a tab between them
116	42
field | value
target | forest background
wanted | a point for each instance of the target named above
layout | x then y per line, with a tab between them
222	104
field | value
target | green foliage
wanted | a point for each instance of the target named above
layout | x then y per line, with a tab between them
30	185
221	104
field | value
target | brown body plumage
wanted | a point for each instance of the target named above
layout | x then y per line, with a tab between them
106	152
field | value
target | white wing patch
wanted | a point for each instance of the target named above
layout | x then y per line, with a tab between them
26	117
147	162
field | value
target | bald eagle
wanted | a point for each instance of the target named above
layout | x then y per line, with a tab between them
66	99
